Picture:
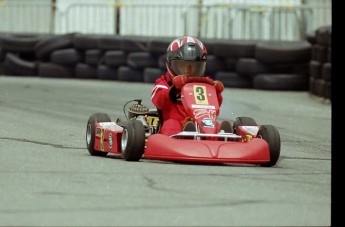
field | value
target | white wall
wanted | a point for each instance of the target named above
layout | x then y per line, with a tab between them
237	19
85	16
25	16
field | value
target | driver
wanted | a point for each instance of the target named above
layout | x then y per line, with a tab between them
185	57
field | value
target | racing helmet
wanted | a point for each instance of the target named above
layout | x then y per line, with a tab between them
186	55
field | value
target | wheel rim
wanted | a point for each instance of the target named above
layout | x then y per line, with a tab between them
88	134
124	140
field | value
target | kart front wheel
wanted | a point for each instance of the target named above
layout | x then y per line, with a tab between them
272	137
243	121
90	132
133	140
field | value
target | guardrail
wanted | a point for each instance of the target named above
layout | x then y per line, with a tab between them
235	21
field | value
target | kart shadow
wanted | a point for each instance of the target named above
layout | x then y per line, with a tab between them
187	163
190	163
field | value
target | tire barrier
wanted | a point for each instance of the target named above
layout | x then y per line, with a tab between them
270	65
18	66
93	57
151	74
55	70
69	56
45	47
85	71
105	72
289	82
320	65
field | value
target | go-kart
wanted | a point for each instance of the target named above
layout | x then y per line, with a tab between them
138	136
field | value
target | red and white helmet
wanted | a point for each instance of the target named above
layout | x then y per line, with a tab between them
186	55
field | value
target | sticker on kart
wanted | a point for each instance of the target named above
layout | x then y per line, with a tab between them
200	95
110	125
251	129
207	123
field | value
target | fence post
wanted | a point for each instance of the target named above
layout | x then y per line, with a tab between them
117	17
200	3
52	17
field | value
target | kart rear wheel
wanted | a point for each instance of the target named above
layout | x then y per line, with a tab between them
272	137
90	132
243	121
133	140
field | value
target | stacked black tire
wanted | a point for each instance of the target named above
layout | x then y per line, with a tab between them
268	65
320	66
18	54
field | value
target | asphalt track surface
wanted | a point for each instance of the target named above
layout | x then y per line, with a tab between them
48	178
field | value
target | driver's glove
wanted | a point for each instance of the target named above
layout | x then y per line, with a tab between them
218	86
179	81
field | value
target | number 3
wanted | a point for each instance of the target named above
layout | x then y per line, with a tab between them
201	93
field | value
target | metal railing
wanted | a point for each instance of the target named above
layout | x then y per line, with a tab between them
235	21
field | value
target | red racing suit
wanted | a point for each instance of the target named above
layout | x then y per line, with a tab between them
173	115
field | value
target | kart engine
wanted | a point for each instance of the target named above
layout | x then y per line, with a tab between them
149	119
137	109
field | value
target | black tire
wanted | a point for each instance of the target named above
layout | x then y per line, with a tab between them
93	57
134	44
90	132
251	67
2	54
327	90
161	62
235	48
315	68
233	80
69	56
158	45
272	137
55	70
19	66
230	64
109	42
281	82
320	53
314	56
133	140
283	52
324	35
129	74
152	74
326	72
214	65
243	121
115	58
84	71
50	44
329	54
105	72
20	43
318	87
141	60
85	41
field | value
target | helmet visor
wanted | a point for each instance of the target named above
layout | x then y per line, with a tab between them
188	68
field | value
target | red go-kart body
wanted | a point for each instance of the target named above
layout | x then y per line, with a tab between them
247	143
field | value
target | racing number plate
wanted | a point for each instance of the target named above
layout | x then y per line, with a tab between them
200	94
152	121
